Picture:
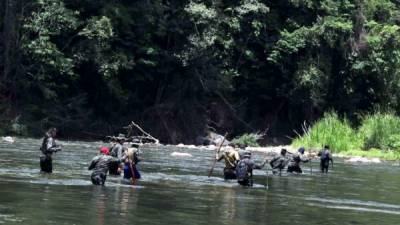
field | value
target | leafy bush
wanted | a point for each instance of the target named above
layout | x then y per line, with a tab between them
249	139
381	130
332	131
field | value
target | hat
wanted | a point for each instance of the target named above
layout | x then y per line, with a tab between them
120	137
104	150
301	150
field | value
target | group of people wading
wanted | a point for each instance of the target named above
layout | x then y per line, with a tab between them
114	160
240	166
120	159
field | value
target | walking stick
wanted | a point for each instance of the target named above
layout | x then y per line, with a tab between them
309	151
215	160
267	178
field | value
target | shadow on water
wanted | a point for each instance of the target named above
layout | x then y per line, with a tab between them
175	189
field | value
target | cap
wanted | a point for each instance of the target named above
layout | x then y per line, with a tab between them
104	150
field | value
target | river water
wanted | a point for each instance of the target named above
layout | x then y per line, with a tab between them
176	190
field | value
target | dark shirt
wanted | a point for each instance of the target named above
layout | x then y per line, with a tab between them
49	145
117	151
325	154
279	162
100	163
252	165
296	159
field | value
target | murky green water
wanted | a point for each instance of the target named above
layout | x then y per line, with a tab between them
177	191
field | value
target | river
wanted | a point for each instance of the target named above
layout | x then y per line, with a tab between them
176	190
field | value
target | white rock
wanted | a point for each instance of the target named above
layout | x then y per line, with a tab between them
212	147
8	139
181	154
376	160
358	159
180	145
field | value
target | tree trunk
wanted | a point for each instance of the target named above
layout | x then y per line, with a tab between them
9	39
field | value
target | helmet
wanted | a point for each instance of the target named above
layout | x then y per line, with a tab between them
283	151
104	150
301	150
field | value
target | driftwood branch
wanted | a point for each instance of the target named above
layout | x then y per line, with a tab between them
145	135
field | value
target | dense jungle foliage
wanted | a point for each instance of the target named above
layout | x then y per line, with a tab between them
179	68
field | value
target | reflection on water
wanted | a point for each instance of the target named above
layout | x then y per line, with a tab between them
177	190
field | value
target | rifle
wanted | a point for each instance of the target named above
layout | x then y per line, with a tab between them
215	160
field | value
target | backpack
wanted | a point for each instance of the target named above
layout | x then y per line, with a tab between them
296	158
325	155
43	147
242	171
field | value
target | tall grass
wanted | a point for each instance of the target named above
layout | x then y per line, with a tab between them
332	131
381	131
378	135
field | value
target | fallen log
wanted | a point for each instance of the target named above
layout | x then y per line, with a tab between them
139	138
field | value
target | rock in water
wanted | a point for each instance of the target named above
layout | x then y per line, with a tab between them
8	139
181	154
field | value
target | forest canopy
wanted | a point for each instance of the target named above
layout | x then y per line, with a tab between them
180	68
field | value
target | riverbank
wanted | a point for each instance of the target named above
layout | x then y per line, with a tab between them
355	156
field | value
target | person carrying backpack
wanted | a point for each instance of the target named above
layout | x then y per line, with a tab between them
325	156
296	159
279	162
244	169
47	148
100	165
131	159
231	158
117	151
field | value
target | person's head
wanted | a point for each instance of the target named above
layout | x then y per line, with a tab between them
247	154
301	150
326	147
104	150
121	138
242	146
135	145
52	132
283	151
229	150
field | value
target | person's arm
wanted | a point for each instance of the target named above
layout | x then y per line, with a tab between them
51	146
93	163
219	158
258	167
331	159
271	163
304	159
119	152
